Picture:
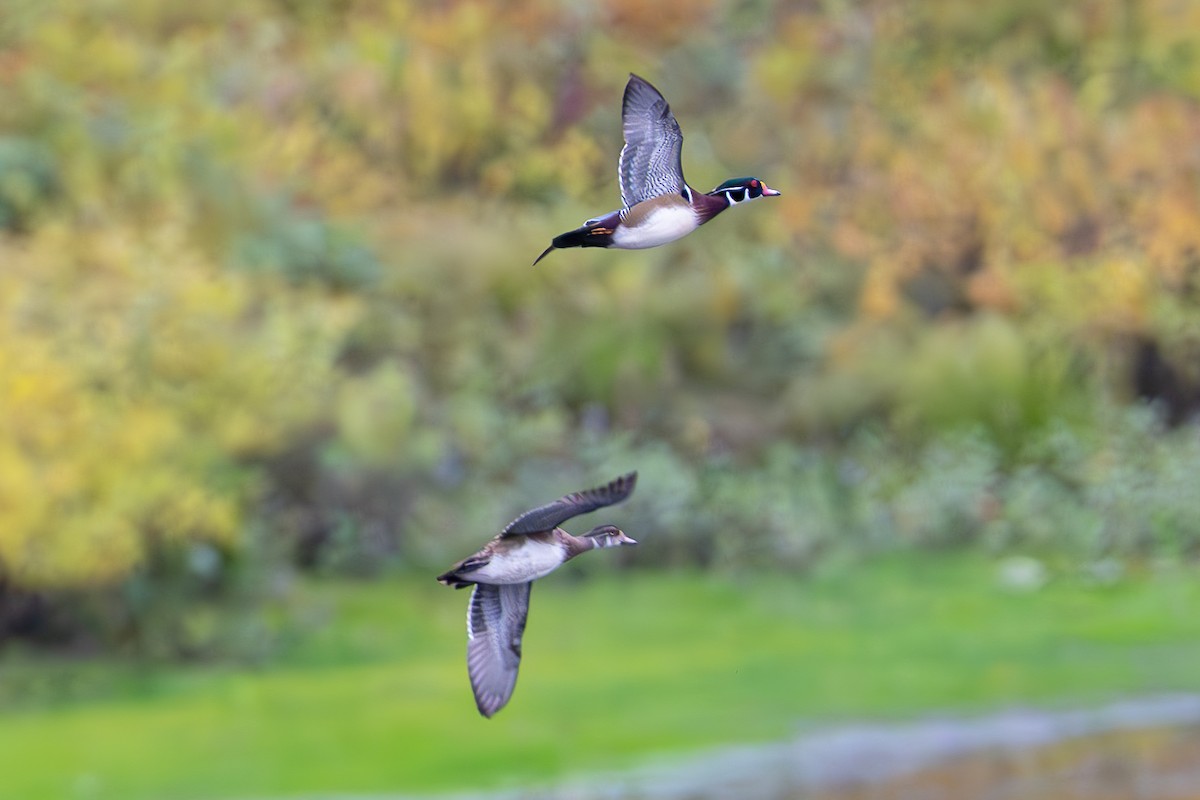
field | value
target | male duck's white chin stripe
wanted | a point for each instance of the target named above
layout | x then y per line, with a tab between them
661	226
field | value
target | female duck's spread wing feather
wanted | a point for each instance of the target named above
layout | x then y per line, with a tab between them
551	515
650	160
495	623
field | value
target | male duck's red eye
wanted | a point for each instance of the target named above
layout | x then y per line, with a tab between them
754	184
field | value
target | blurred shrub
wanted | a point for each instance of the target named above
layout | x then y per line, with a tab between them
947	496
1140	490
28	181
140	385
988	374
301	247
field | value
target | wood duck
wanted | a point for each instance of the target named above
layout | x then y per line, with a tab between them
659	206
503	571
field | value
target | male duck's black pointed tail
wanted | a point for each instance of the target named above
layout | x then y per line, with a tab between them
575	238
593	233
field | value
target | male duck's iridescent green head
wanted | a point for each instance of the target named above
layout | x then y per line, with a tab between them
738	190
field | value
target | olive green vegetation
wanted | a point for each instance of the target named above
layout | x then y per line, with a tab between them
620	667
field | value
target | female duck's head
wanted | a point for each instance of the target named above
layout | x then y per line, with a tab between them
609	536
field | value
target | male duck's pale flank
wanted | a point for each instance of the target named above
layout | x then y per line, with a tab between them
532	546
659	206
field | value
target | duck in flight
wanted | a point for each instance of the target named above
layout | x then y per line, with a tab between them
658	205
502	572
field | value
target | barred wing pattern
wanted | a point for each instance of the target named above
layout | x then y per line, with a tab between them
495	623
551	515
650	162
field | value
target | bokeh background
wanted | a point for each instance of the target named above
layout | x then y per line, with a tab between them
917	435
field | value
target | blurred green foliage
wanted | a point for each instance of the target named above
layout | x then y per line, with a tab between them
266	296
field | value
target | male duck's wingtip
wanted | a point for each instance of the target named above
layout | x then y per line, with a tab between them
545	253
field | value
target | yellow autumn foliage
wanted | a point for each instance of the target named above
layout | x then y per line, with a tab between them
135	376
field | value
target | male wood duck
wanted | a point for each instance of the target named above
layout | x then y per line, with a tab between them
531	547
659	206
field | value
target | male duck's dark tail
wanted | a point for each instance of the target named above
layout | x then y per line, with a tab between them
592	233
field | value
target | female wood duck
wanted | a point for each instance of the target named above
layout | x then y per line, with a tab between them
531	547
659	206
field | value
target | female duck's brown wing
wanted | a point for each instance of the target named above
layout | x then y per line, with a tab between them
551	515
495	623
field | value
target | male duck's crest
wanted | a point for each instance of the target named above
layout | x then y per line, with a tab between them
503	571
658	205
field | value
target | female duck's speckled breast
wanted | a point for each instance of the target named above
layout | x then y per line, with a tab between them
531	560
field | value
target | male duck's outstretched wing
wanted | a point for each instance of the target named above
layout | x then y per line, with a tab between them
551	515
650	160
495	623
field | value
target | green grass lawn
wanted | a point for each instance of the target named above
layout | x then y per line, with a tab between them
617	668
